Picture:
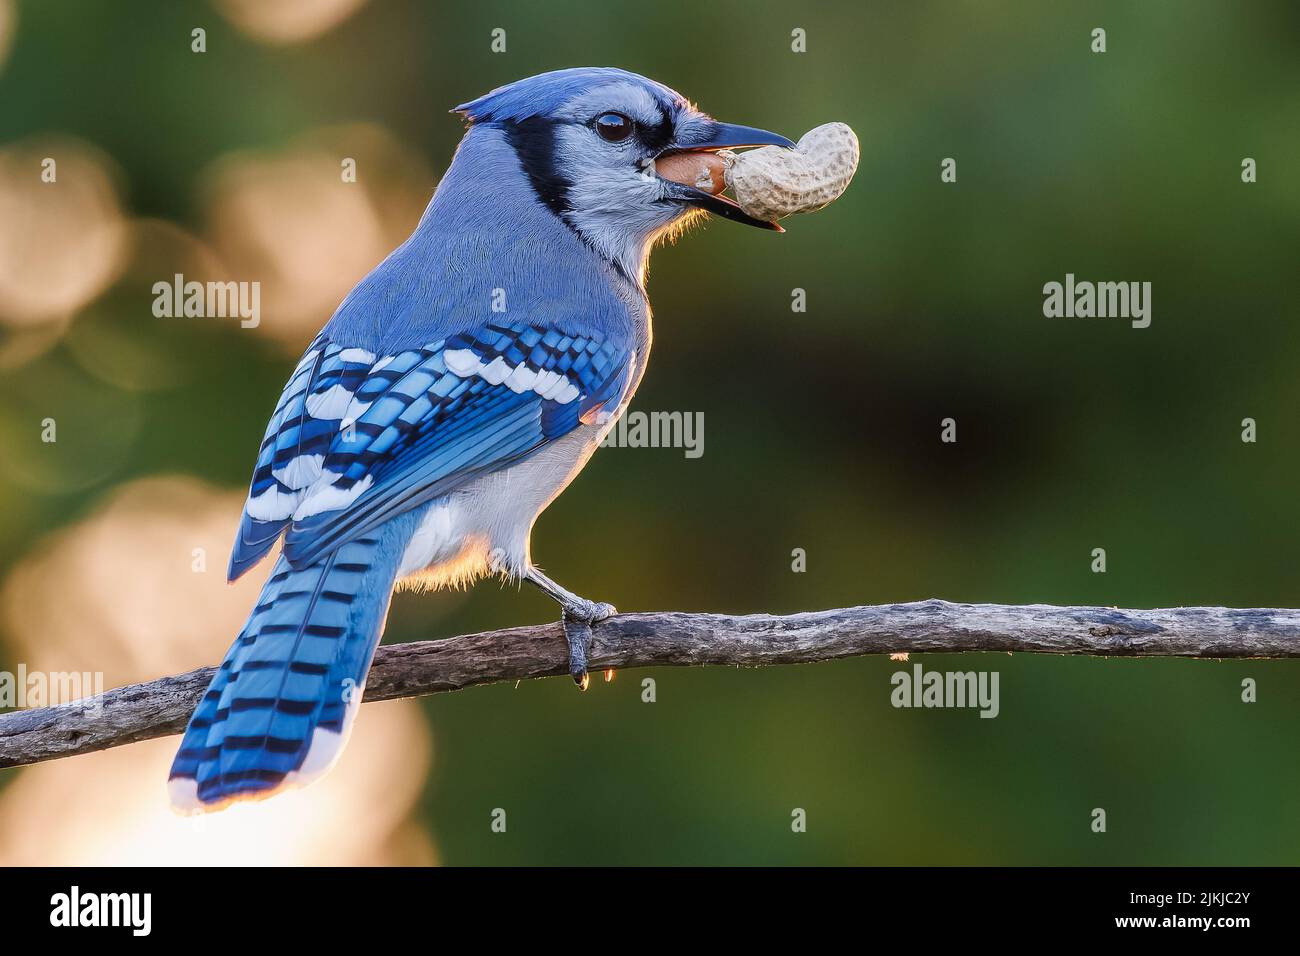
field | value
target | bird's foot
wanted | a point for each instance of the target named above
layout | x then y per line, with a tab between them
579	615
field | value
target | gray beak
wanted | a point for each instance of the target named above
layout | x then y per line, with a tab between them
730	136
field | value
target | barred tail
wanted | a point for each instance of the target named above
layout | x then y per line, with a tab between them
280	707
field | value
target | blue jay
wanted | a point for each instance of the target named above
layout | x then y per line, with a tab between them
452	396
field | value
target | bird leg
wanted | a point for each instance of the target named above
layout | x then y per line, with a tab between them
579	615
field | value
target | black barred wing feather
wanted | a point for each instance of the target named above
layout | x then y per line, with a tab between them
358	438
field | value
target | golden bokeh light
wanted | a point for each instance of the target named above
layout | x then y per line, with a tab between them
130	568
287	21
292	221
136	591
63	237
110	808
8	27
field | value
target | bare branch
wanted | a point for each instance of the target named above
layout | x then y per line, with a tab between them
160	707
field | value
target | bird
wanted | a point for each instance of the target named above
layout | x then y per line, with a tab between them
453	394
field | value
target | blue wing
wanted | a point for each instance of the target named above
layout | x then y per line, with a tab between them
359	438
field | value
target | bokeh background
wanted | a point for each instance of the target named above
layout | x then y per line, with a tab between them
821	428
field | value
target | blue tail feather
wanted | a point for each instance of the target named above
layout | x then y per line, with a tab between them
296	668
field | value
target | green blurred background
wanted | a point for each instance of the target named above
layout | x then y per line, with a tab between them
821	428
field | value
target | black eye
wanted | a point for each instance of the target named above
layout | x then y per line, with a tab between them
613	127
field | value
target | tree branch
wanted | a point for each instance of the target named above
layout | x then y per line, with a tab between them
163	706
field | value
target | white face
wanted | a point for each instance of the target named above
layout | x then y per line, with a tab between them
605	146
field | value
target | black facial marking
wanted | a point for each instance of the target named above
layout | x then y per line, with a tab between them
657	137
533	141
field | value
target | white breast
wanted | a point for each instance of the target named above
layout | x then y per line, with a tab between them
485	526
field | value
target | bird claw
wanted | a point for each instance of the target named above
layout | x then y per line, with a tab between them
578	619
